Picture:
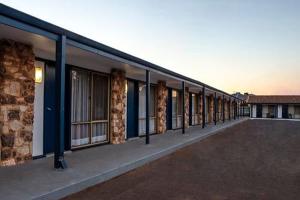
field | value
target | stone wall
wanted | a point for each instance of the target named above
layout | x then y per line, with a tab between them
226	109
117	108
200	104
16	101
162	94
187	108
220	109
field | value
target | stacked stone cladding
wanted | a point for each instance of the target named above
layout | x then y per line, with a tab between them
219	109
186	107
117	108
200	104
162	94
17	88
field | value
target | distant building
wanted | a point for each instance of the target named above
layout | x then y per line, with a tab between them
244	107
275	106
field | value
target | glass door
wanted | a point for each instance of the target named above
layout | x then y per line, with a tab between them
195	109
176	109
89	108
142	109
99	122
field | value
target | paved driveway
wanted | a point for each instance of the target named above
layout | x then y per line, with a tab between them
257	159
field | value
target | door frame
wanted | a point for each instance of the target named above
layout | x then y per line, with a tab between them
136	112
70	107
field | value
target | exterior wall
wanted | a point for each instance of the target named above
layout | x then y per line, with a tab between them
279	111
38	124
186	107
117	109
16	101
162	94
226	110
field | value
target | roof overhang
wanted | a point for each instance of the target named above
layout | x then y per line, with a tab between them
43	36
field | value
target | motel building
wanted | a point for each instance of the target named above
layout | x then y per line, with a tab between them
279	107
62	92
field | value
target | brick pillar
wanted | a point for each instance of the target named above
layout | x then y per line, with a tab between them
186	107
162	94
211	109
226	109
117	108
16	101
200	109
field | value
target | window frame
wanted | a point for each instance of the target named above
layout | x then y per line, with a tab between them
90	122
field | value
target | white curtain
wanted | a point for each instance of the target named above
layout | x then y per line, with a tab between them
142	110
176	109
80	108
82	123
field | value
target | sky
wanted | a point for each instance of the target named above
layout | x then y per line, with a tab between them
234	45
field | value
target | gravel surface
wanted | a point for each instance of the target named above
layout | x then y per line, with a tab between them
256	159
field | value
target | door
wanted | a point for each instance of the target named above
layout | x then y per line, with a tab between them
285	112
49	108
89	108
132	111
169	109
191	110
259	111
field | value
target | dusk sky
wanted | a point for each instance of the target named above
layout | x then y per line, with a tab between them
246	45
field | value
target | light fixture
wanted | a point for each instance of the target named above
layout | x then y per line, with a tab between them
126	87
38	74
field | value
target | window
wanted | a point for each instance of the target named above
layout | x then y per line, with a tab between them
297	111
89	107
271	111
176	109
195	109
142	109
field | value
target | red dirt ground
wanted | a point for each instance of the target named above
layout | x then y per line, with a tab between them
257	159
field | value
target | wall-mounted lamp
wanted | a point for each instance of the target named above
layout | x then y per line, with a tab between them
38	74
126	87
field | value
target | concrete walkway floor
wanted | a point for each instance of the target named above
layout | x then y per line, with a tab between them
38	180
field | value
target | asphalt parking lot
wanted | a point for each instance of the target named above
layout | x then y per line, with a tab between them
256	159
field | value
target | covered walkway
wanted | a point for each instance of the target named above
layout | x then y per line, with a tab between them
38	180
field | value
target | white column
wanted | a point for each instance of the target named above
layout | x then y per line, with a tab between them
264	111
254	111
279	111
